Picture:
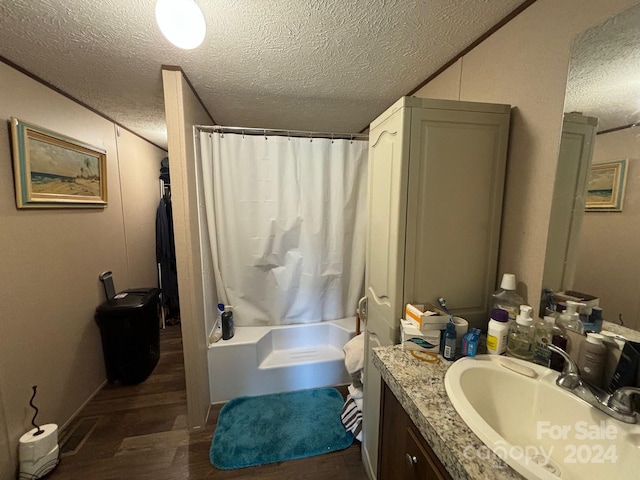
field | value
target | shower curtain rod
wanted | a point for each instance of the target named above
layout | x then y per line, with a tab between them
282	133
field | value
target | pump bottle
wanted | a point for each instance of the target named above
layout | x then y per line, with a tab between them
570	318
543	335
520	342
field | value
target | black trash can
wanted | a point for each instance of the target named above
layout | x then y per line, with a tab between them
130	334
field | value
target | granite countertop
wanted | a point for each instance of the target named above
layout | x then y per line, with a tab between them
419	387
627	333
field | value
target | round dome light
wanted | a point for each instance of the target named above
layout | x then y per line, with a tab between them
181	22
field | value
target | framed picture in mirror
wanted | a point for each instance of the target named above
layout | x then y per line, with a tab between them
606	185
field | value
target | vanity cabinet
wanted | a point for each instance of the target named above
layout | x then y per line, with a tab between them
436	181
403	452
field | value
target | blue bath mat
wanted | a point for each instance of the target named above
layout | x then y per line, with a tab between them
278	427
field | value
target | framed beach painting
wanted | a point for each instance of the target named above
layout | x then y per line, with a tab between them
55	171
605	191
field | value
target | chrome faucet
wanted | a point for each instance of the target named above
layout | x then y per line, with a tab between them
617	405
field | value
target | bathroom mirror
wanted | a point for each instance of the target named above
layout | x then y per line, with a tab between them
598	252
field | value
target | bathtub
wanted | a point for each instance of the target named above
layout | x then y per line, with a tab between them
262	360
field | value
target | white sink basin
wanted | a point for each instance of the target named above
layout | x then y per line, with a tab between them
539	429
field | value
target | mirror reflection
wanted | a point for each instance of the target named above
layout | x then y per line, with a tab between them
597	251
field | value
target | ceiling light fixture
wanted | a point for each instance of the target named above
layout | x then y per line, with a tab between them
181	22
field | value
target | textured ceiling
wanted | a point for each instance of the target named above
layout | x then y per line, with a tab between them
322	65
604	76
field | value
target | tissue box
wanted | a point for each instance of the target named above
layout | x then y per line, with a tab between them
412	338
589	300
426	317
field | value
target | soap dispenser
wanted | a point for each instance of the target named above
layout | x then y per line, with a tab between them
521	338
570	318
543	335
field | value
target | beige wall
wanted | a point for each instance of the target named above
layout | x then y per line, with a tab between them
52	258
525	64
183	111
609	252
139	173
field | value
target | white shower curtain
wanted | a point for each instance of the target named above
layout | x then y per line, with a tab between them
287	224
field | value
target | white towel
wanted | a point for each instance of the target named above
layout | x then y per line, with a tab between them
355	392
354	354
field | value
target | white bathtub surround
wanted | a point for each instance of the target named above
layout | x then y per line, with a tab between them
262	360
286	218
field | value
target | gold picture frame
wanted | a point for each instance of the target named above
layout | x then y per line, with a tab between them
606	186
55	171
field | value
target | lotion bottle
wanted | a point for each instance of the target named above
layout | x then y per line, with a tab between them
591	361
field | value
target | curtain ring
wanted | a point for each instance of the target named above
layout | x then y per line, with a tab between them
288	135
242	133
331	137
310	137
351	139
265	134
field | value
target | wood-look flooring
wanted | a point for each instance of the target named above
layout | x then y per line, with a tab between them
141	433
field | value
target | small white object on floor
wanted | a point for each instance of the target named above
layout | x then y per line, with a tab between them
39	451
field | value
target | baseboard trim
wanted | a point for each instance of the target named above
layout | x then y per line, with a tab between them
84	404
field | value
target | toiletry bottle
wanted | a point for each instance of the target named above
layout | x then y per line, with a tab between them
595	320
498	332
592	358
612	357
216	334
227	323
543	334
449	352
570	318
506	297
520	341
556	362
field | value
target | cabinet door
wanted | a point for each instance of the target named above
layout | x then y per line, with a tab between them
456	184
387	203
404	454
388	171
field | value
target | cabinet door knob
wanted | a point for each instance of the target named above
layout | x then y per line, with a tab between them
411	460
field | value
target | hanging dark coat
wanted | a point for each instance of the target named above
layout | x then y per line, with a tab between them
166	255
